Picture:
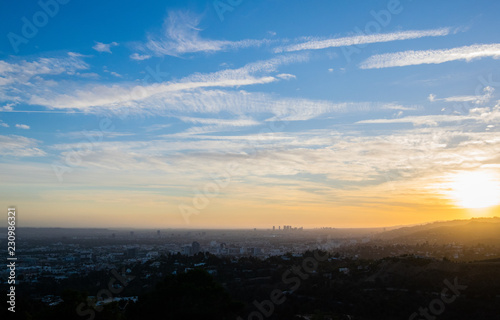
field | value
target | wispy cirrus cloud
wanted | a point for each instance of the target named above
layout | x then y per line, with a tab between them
429	120
182	103
221	122
364	39
477	99
181	35
19	77
339	157
485	115
22	70
208	125
20	146
409	58
125	95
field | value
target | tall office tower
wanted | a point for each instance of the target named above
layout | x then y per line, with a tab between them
196	247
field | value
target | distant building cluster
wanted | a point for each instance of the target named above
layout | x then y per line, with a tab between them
192	249
288	228
57	257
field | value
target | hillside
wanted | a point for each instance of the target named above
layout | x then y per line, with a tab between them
469	232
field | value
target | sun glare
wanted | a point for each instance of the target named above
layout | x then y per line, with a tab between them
475	190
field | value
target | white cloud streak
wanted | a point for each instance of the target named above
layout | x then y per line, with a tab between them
364	39
409	58
123	95
220	122
477	99
478	115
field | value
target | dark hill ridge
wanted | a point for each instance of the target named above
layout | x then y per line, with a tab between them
469	232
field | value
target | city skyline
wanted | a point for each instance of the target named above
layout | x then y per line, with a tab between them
240	114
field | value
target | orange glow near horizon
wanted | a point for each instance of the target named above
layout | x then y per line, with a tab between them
451	196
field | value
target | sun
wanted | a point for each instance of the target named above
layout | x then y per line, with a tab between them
475	189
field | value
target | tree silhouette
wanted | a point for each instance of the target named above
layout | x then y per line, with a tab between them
191	295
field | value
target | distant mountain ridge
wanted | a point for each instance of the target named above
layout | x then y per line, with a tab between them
469	232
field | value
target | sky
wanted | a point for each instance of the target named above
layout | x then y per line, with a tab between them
249	114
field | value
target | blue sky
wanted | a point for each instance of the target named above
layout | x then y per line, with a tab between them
246	113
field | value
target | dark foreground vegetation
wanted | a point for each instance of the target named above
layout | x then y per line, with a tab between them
315	285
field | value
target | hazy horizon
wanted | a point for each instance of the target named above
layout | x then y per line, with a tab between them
251	228
195	114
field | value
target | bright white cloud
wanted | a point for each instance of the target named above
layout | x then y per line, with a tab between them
408	58
392	106
221	122
104	47
364	39
116	74
286	76
23	126
8	107
139	57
